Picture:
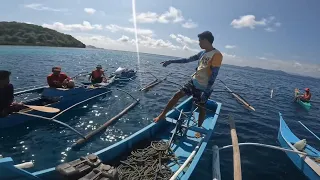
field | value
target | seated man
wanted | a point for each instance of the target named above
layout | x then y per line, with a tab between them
306	97
7	105
97	76
59	80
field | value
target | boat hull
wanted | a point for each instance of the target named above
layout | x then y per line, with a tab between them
69	98
305	105
161	130
286	139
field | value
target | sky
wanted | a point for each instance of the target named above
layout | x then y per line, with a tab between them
269	34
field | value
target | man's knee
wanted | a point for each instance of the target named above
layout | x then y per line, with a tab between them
178	95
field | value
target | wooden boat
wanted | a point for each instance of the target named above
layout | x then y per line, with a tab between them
176	129
305	164
56	98
305	105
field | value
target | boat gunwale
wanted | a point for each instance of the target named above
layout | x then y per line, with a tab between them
128	139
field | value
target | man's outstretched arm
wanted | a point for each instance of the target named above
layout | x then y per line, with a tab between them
189	59
183	60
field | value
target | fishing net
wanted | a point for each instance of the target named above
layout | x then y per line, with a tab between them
148	163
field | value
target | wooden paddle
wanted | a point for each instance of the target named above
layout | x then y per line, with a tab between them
296	94
43	108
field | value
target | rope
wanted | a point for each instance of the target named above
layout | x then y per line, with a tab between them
148	163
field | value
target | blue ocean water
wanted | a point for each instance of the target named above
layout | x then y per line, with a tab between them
48	144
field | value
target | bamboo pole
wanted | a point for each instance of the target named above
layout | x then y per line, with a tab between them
104	126
236	151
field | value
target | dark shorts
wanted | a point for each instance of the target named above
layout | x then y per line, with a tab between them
97	80
190	90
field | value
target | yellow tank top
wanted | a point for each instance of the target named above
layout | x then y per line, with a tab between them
209	59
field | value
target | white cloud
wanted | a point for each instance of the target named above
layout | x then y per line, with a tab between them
247	21
148	17
270	29
189	24
184	40
41	7
262	58
186	48
89	10
228	55
230	46
115	28
277	24
156	43
297	64
124	39
173	15
85	26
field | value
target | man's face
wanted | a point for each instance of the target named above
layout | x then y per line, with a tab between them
56	73
202	43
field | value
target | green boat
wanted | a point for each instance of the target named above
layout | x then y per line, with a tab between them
305	105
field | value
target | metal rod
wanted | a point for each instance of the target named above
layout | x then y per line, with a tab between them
237	96
309	130
266	146
80	103
29	90
157	81
187	161
175	130
29	87
53	120
128	94
104	126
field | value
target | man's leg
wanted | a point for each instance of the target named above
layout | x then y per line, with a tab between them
173	101
202	111
202	114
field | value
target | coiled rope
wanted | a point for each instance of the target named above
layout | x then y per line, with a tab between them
148	163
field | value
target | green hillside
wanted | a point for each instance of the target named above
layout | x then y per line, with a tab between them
14	33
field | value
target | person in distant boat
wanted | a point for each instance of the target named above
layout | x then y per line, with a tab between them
7	106
200	85
306	97
59	80
97	76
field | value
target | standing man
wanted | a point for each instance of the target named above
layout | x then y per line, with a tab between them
59	80
200	85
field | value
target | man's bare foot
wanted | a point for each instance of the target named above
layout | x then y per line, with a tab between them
158	118
198	135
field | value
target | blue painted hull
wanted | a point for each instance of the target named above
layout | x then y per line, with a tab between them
161	130
286	139
70	97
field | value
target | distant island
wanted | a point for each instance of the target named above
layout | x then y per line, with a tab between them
92	47
15	33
